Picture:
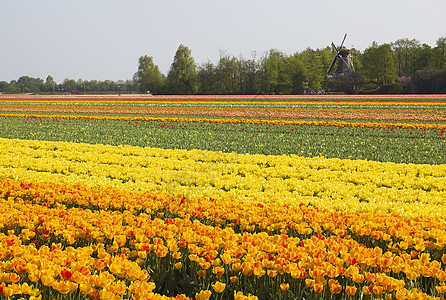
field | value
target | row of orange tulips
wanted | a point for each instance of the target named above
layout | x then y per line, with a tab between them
266	111
59	239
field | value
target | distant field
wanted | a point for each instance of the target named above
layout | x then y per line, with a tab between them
408	129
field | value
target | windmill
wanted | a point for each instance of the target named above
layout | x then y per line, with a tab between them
345	65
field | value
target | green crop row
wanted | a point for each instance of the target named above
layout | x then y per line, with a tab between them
394	145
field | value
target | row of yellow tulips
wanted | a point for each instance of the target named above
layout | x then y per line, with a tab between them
334	184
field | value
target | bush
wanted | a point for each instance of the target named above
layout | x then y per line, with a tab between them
429	81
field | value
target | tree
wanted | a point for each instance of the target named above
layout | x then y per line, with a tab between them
248	75
81	85
349	84
314	69
439	54
130	86
149	76
206	79
429	81
326	57
405	53
50	84
231	76
106	85
274	73
69	84
13	87
121	86
296	71
424	57
227	75
182	75
377	64
29	84
4	86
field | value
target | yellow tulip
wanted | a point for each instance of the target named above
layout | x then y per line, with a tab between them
219	287
203	295
284	287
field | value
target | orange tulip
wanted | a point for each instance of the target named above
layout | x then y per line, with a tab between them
120	240
95	294
367	290
272	273
47	280
335	286
78	277
402	294
226	258
318	288
352	270
218	271
284	287
34	276
412	275
441	289
203	295
259	272
358	278
309	282
11	277
219	287
370	277
376	289
176	255
441	275
247	269
20	268
240	296
316	273
205	265
85	288
66	274
120	288
161	250
350	290
8	291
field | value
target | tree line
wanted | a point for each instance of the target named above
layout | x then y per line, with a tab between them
403	66
26	84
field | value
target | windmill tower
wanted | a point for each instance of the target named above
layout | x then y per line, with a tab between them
345	64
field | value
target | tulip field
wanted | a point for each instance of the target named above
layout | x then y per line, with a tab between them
223	197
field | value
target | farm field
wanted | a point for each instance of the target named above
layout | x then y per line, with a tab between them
223	197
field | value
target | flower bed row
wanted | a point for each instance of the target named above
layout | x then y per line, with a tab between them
359	186
246	111
238	121
62	239
233	98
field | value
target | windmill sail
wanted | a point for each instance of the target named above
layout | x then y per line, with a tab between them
334	59
345	64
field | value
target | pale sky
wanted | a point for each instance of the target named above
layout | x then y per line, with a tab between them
103	39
